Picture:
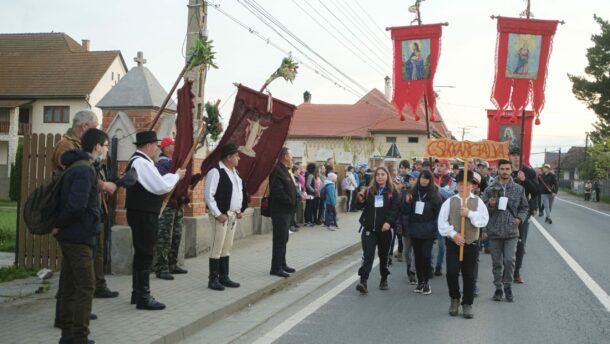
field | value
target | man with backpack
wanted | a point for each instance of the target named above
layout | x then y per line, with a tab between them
78	222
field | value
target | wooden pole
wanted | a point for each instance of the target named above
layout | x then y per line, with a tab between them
464	197
167	98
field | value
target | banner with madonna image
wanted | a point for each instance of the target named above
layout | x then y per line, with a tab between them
522	55
416	53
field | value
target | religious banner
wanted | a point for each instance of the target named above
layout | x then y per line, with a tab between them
522	55
416	53
500	128
184	142
258	126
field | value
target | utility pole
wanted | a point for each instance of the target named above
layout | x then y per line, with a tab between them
559	164
197	27
586	144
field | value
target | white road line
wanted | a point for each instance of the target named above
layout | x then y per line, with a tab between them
296	318
582	206
597	291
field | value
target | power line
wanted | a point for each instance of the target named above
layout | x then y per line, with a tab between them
353	34
361	25
383	33
257	8
277	47
359	56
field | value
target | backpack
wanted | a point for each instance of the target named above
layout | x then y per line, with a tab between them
323	191
41	207
345	183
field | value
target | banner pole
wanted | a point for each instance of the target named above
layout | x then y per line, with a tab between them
464	196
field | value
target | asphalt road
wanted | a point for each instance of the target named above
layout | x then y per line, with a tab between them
553	306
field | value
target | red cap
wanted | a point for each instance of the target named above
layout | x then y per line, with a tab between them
444	162
168	141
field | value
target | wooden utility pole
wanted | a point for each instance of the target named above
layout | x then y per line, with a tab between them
197	27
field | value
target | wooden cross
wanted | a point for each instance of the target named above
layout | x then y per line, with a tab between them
448	149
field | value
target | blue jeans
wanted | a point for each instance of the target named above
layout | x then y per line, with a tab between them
330	216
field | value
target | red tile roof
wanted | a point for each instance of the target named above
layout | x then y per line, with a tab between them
372	113
49	65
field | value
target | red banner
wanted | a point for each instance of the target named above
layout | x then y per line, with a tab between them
522	55
502	128
184	142
416	53
259	127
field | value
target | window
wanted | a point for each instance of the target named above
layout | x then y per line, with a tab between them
390	139
56	114
112	77
413	139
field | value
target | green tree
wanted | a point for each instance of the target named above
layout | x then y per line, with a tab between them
594	88
15	178
597	165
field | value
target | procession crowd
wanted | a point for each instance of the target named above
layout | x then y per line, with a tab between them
411	207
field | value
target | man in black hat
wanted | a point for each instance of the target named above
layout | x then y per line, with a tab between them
226	199
143	203
526	177
449	225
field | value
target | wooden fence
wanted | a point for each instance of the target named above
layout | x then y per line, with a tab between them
36	251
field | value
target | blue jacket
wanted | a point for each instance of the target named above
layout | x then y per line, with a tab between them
163	164
79	201
331	193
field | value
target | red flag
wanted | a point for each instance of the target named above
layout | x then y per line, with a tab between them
259	127
522	55
416	53
184	142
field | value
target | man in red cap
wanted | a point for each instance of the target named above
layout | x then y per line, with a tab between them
170	222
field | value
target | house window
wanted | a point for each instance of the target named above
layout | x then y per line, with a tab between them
112	78
390	139
56	114
413	139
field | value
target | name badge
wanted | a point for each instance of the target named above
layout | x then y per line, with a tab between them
419	207
379	201
503	203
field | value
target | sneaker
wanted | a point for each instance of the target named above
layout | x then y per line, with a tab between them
546	220
383	285
438	271
330	228
454	308
412	280
427	290
498	295
550	221
508	293
467	311
362	288
294	229
397	254
517	279
419	288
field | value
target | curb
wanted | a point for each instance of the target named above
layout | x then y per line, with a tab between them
198	324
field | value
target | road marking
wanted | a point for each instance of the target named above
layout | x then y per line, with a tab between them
580	272
299	316
582	206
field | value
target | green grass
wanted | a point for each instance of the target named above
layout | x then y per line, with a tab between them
7	203
9	273
8	223
605	199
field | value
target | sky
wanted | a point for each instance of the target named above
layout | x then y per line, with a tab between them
356	44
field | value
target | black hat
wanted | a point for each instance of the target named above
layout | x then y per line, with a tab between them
227	150
514	150
144	137
460	177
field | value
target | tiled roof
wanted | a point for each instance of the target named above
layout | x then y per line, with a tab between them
49	65
372	113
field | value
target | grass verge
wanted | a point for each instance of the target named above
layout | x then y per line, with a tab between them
9	273
8	221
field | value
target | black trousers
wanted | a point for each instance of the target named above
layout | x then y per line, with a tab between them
281	227
144	229
467	267
349	204
371	241
422	252
523	230
309	210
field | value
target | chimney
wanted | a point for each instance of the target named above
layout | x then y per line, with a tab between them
388	88
85	44
307	97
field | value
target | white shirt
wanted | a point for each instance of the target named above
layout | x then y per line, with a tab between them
150	178
478	218
211	184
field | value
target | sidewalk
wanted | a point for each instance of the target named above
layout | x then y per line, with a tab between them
191	306
599	206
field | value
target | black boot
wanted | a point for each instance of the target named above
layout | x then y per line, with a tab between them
213	282
362	287
224	274
144	299
134	287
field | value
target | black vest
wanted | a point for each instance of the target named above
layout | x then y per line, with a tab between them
138	198
224	191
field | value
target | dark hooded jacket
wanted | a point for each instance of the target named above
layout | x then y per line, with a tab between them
79	210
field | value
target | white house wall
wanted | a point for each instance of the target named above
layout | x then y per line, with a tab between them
37	115
407	150
110	78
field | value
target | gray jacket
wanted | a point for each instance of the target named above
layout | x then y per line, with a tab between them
502	223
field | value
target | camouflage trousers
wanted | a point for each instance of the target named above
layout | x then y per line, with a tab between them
168	239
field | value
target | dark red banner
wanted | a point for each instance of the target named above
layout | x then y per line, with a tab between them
502	128
184	142
416	53
522	55
258	126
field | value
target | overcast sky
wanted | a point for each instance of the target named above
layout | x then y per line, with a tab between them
158	28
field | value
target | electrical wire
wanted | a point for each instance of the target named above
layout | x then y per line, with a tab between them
358	23
370	18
